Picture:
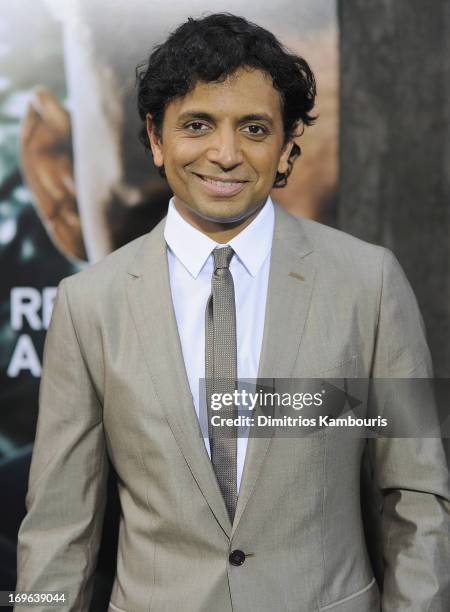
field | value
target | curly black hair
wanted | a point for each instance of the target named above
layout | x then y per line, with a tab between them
212	48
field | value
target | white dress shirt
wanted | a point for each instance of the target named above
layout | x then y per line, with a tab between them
190	270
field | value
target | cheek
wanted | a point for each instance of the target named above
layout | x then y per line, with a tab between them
184	152
266	166
264	156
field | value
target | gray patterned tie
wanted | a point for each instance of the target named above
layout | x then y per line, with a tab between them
221	372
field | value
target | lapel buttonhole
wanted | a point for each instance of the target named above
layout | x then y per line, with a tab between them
297	276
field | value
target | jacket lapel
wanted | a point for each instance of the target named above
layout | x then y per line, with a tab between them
149	294
291	280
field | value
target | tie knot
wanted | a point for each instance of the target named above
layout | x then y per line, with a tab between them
222	257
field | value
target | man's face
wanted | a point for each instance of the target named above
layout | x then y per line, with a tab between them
221	147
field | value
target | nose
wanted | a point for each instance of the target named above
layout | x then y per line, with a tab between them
224	149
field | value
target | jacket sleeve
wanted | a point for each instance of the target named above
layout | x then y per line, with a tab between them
411	473
60	535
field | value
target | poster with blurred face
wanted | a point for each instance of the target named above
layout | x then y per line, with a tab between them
75	181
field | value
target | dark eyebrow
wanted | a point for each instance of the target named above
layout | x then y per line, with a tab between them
196	115
257	117
193	114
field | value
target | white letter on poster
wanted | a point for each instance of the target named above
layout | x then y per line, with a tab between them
24	358
25	302
48	299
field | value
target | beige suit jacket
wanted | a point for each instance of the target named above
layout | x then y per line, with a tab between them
114	385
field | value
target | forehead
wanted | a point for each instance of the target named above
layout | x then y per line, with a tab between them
244	92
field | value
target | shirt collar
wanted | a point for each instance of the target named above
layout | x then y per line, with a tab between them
192	247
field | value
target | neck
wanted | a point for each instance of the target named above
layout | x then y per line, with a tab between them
217	231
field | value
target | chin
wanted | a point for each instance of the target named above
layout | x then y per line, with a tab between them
226	215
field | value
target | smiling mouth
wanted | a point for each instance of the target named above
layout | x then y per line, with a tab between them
229	186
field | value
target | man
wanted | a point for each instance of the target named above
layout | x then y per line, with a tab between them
227	286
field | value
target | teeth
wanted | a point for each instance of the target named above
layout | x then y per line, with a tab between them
222	184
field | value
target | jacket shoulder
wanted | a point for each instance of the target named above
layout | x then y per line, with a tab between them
345	264
342	255
104	274
332	242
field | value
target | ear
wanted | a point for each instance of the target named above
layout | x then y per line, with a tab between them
155	142
283	163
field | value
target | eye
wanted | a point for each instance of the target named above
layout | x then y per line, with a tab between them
196	126
255	130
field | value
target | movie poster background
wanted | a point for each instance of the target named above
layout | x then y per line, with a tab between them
75	183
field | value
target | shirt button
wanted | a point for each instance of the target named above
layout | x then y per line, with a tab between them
237	557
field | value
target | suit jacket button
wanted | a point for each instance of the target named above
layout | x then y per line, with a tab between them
237	557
